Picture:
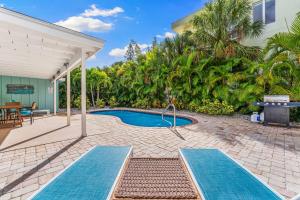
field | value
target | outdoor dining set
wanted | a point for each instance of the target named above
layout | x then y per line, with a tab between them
13	114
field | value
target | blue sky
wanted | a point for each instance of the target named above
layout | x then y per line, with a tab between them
115	21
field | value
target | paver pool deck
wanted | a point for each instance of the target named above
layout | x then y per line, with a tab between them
33	154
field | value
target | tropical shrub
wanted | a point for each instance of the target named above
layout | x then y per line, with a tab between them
215	108
282	74
295	114
156	103
113	102
77	103
164	104
179	104
194	105
100	103
207	71
142	103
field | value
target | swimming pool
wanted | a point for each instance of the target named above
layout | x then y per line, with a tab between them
144	119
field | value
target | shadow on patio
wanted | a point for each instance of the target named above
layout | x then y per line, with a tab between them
3	134
30	139
44	130
35	169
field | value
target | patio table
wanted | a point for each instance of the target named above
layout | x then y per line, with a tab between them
17	119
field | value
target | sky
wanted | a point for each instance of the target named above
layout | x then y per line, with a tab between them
114	21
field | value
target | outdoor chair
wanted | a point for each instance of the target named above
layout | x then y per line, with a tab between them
12	113
2	116
28	112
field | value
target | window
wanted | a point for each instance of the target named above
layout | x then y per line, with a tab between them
269	11
258	11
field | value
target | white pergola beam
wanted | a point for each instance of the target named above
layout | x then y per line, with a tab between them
83	94
54	98
69	97
74	62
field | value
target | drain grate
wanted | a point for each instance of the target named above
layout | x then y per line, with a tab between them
155	178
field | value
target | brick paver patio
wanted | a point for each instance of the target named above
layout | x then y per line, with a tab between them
272	153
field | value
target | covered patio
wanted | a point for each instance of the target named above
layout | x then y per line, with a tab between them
34	50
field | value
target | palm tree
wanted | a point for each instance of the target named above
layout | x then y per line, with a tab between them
102	81
285	46
91	82
221	26
171	48
283	62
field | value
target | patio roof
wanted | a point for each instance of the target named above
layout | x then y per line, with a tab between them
30	47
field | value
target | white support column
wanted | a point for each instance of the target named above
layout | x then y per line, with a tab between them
69	97
83	94
54	97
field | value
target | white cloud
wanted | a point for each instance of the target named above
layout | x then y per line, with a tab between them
1	5
144	46
94	11
169	35
120	52
166	35
79	23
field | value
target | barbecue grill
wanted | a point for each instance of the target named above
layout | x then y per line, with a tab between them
277	109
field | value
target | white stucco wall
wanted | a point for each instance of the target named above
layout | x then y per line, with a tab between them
285	12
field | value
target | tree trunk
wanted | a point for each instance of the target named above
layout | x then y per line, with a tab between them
98	91
92	93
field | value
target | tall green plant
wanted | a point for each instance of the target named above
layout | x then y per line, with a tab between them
282	70
222	24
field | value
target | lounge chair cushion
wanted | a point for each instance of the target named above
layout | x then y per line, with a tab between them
25	112
220	177
91	177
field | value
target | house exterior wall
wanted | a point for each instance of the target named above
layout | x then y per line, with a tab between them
285	13
43	94
184	24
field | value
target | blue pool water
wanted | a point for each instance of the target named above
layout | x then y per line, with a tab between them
91	177
144	119
219	177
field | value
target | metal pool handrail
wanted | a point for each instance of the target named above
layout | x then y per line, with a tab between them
174	114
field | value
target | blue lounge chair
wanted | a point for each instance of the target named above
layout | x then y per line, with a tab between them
28	111
219	177
93	176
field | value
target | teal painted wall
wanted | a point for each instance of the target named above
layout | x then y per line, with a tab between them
42	95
